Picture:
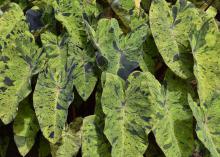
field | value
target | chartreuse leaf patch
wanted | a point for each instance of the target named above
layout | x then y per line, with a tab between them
127	119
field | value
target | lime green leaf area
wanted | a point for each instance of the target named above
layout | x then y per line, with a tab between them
109	78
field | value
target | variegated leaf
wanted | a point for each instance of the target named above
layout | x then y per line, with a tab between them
174	131
205	41
118	54
70	142
170	31
19	61
127	119
94	142
25	127
55	86
70	14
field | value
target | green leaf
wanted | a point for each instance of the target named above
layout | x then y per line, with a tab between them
54	85
19	61
174	131
128	121
207	128
25	127
170	31
205	41
94	142
69	13
70	142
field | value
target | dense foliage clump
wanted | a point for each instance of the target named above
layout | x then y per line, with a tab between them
109	78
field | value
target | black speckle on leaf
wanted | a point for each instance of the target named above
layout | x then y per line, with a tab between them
34	19
111	30
88	67
7	81
52	135
166	146
115	46
146	119
176	57
3	89
59	107
66	14
136	74
5	59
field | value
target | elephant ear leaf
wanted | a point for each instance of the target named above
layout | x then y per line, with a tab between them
170	31
55	86
176	116
94	142
25	127
84	54
129	121
19	61
205	42
70	142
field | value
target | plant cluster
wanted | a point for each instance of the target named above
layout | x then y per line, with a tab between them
109	78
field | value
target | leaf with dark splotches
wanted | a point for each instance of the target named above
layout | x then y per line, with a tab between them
205	41
170	31
70	14
174	131
4	142
55	86
70	142
94	142
25	127
19	61
128	121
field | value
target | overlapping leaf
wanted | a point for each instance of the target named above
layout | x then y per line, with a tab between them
54	85
127	119
174	131
19	61
70	142
25	127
